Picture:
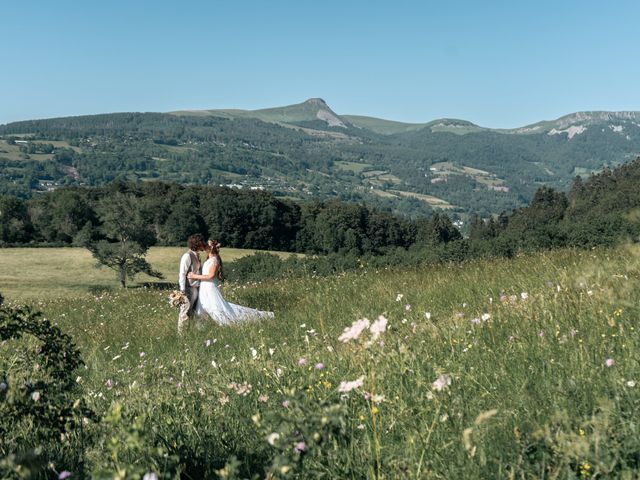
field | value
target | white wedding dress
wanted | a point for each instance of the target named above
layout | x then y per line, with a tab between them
212	303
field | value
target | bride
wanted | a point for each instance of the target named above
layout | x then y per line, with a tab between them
210	300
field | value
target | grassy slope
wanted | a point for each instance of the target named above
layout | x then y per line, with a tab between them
44	273
538	362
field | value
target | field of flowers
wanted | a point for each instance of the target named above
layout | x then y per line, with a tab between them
521	368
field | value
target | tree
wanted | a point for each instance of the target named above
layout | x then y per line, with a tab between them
127	237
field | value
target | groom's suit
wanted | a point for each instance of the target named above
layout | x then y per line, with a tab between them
190	262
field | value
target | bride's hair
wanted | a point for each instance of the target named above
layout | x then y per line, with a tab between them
213	247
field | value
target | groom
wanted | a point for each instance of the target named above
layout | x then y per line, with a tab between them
190	262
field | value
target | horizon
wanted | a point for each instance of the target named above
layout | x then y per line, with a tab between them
497	66
425	121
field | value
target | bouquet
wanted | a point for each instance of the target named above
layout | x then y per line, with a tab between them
177	298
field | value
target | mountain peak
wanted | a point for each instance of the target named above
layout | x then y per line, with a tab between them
316	101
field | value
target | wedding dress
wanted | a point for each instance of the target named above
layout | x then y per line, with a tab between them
212	303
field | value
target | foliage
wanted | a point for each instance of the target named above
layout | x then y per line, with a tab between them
128	237
40	400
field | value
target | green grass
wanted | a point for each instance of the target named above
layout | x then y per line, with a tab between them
45	273
530	394
352	166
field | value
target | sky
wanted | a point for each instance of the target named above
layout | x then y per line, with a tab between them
498	64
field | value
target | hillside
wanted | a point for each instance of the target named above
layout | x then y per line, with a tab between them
522	368
309	151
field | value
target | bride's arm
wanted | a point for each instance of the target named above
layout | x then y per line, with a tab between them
209	275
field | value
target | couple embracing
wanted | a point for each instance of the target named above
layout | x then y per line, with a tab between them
200	283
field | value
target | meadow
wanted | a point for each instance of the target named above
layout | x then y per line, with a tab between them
45	273
514	368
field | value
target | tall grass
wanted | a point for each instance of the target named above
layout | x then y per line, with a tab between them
541	352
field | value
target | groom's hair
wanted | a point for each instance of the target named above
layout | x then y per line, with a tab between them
195	241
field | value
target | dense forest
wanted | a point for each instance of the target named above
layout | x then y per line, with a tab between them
601	210
409	173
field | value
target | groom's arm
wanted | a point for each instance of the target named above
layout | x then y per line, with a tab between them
185	265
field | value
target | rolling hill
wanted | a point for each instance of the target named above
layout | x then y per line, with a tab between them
307	150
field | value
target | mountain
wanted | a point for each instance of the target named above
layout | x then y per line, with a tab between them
307	150
310	111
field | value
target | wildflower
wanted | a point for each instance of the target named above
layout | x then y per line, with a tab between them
272	351
476	321
207	343
511	338
35	396
407	307
399	297
150	476
524	295
254	353
263	398
485	317
377	327
319	366
584	469
142	354
302	361
115	358
441	383
286	404
375	410
3	386
64	474
347	386
610	362
109	384
541	333
300	447
354	331
427	315
272	438
573	332
223	400
630	383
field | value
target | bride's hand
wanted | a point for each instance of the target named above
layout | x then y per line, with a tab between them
190	275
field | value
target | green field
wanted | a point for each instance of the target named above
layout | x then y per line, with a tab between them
45	273
522	368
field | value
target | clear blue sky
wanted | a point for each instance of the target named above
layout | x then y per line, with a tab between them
496	63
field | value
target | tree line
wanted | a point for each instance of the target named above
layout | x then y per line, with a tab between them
119	222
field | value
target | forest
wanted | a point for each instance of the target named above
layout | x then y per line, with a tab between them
407	173
600	210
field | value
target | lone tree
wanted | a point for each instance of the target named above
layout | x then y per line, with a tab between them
125	237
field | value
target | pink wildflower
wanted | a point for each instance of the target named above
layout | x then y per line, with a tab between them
442	382
347	386
354	331
300	447
610	362
302	361
319	366
379	326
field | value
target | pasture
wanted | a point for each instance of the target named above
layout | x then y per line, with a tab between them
520	368
47	273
